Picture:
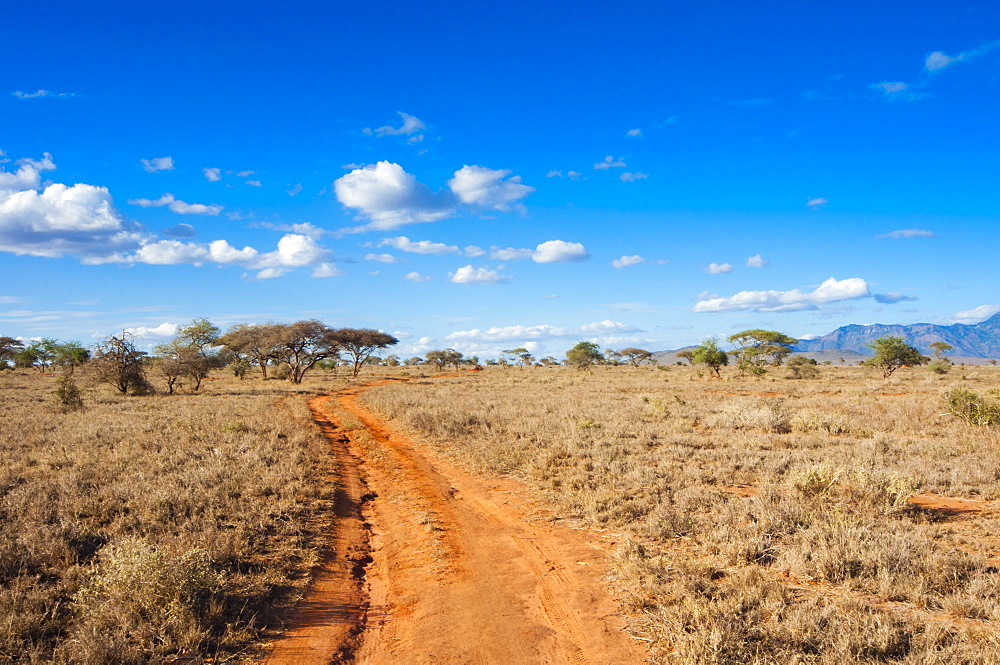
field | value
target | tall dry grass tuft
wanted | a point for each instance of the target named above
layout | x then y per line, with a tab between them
140	526
769	521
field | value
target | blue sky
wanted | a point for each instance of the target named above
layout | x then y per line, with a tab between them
486	177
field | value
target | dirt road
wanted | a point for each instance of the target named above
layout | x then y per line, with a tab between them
431	564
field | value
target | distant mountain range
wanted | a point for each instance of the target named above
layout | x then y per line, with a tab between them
981	340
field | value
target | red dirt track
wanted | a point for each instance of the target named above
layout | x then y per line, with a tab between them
431	564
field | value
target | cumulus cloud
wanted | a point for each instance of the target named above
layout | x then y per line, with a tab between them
381	258
157	164
164	330
816	203
390	197
404	244
303	228
632	177
487	188
212	174
473	250
176	205
976	314
757	261
60	219
554	174
626	261
254	183
550	251
326	269
470	275
634	132
891	298
572	175
510	333
908	233
719	268
293	251
831	290
411	125
417	277
610	163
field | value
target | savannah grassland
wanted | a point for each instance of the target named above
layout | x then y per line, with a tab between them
766	521
763	521
143	525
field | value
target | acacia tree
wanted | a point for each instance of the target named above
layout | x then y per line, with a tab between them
891	353
192	354
118	363
635	356
360	343
709	353
585	354
443	358
256	344
760	347
303	344
523	355
8	347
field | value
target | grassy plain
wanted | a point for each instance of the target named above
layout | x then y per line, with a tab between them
143	525
768	521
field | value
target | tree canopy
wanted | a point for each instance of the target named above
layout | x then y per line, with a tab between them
708	353
758	348
635	356
585	354
891	353
360	343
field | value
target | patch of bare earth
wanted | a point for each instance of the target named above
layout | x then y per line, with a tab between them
431	564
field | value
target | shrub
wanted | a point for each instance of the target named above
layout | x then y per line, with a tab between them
768	416
68	394
800	367
972	408
811	420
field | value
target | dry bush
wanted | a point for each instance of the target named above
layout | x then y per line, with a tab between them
144	525
769	520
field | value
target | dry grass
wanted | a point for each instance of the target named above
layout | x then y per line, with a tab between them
137	527
769	519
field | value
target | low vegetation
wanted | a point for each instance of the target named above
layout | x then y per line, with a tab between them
768	520
137	527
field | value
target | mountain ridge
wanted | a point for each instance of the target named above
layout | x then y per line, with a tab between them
979	340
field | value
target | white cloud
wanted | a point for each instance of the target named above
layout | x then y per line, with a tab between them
719	268
164	330
180	231
510	333
176	205
411	125
473	250
293	251
634	132
554	174
897	91
976	314
470	275
632	177
938	60
815	203
295	190
303	228
157	164
254	183
757	261
832	290
390	197
626	261
610	163
606	327
908	233
573	175
486	188
550	251
404	244
327	270
417	277
80	219
243	174
212	174
381	258
38	94
559	251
